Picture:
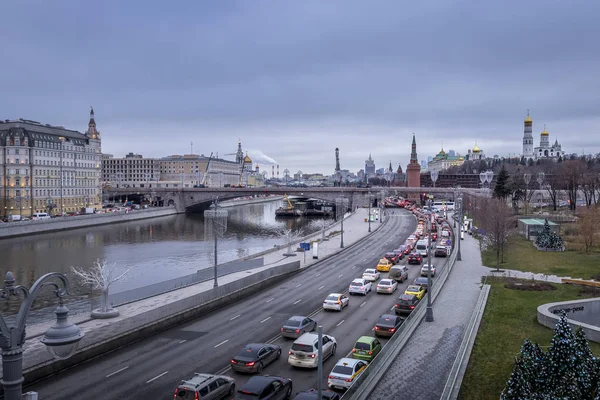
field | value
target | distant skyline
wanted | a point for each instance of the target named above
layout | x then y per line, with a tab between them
294	80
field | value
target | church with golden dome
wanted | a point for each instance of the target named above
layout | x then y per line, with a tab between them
475	154
545	150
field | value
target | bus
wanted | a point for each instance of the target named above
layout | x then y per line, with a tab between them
443	205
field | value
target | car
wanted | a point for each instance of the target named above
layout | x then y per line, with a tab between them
422	281
404	249
405	304
440	251
415	290
384	265
265	388
345	371
205	386
336	301
360	286
387	325
304	352
414	258
312	394
410	246
254	357
434	236
371	274
387	286
398	273
297	325
425	270
366	348
392	257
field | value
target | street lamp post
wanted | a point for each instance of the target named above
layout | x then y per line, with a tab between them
215	225
320	362
460	226
434	176
62	338
369	199
527	179
381	206
540	179
62	140
341	205
429	311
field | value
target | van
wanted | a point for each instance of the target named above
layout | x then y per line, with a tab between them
14	218
422	248
315	250
39	216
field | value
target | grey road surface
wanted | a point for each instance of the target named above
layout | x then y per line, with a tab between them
153	367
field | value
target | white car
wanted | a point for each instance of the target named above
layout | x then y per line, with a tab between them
387	286
371	275
336	301
425	270
345	372
359	286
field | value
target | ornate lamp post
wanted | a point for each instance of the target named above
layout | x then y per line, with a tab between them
369	200
429	311
341	205
482	179
434	176
62	338
527	179
215	225
381	206
489	176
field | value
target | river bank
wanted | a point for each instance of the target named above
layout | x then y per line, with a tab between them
26	228
233	203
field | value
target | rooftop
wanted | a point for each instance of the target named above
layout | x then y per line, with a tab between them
536	221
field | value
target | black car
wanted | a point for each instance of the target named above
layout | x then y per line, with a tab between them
414	258
422	281
265	388
387	325
406	304
400	252
392	257
255	356
311	394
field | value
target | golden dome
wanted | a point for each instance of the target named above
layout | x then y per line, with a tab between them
476	149
544	132
461	159
247	159
528	119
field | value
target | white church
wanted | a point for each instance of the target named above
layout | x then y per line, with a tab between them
544	150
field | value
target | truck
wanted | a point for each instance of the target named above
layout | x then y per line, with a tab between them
87	210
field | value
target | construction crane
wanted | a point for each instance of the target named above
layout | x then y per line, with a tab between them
203	184
290	206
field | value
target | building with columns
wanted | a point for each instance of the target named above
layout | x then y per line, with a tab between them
443	161
47	168
413	169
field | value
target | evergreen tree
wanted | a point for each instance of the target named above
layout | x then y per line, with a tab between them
518	386
548	239
501	190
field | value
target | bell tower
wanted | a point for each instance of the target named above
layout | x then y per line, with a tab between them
528	138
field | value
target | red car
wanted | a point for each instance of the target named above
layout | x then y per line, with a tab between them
414	258
433	236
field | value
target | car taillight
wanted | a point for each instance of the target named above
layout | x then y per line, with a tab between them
370	353
297	330
176	391
249	364
331	377
354	350
397	305
376	328
233	362
290	353
411	307
313	355
392	329
349	380
196	396
362	287
281	329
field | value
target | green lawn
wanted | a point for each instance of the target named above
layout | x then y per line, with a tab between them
509	319
522	256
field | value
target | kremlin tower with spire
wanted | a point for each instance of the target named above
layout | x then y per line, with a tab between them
413	169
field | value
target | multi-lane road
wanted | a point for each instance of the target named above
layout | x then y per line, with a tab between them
153	367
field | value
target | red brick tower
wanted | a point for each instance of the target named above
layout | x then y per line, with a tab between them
413	169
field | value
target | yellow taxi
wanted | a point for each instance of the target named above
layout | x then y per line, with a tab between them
415	290
384	265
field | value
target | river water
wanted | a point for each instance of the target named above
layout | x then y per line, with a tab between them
154	250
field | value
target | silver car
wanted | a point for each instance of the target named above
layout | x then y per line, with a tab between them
305	350
296	326
425	270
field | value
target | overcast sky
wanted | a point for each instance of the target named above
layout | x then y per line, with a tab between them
296	79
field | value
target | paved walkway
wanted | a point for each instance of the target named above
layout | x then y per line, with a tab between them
422	368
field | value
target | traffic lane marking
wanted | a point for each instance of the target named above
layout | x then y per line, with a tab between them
237	316
321	287
156	377
117	371
296	302
271	299
222	343
341	322
265	320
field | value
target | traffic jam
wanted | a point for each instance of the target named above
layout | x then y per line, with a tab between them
384	278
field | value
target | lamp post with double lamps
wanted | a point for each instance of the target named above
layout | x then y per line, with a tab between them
434	174
527	179
381	206
429	311
341	205
215	226
369	200
62	338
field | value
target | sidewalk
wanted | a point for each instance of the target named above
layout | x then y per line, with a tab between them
422	368
355	229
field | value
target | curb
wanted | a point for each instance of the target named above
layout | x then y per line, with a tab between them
457	372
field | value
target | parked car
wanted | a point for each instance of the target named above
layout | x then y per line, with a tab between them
296	326
254	357
405	304
305	350
205	387
387	325
265	388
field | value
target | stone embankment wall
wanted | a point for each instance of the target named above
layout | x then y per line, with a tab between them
24	228
233	203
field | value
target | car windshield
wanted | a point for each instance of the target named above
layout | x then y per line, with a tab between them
362	346
356	284
302	347
342	370
369	271
385	282
412	288
292	322
333	297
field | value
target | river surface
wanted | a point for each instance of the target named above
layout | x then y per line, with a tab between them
153	250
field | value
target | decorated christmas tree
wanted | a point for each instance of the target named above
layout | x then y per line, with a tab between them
563	357
518	386
548	239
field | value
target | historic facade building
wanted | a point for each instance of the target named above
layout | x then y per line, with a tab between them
46	168
369	167
443	161
545	150
413	169
475	154
133	170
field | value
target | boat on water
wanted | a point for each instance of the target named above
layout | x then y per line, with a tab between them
288	212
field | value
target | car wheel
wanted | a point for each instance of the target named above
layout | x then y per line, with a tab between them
259	368
278	354
231	390
333	350
288	393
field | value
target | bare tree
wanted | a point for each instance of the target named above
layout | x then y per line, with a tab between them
291	236
588	225
553	180
498	224
573	171
101	276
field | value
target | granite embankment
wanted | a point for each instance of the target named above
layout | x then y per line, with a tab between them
233	203
24	228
